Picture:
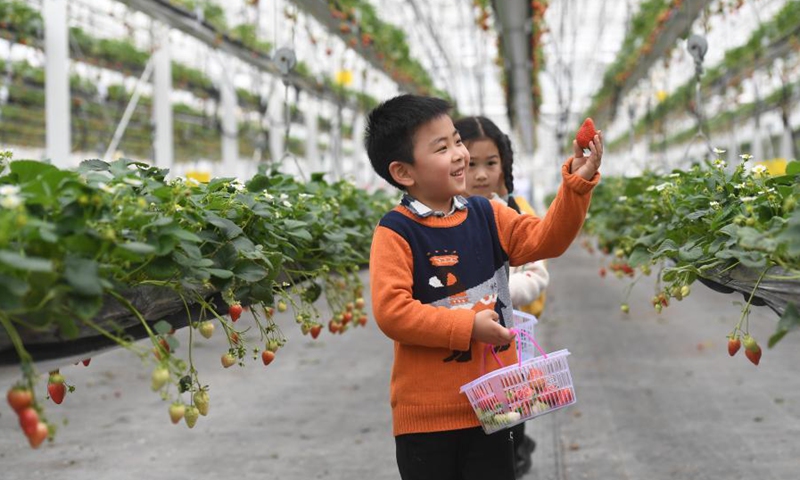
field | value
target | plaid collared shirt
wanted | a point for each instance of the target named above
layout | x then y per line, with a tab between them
421	210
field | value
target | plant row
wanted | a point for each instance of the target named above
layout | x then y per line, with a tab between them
75	243
701	224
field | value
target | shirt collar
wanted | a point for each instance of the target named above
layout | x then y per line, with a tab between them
421	210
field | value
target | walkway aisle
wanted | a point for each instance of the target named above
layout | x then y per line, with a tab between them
658	396
320	410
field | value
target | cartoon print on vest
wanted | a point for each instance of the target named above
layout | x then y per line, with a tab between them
445	277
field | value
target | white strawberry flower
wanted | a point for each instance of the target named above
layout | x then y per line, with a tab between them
758	170
745	156
9	190
719	151
720	163
10	201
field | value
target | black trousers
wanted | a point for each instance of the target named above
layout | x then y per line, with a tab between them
467	454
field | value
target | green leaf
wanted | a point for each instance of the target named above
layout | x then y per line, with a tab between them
690	254
791	235
667	248
793	168
20	262
82	275
230	229
335	236
790	320
93	165
11	292
258	183
184	235
219	273
250	272
294	224
83	306
162	327
301	234
639	256
27	170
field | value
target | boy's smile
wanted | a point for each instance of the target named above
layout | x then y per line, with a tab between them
440	161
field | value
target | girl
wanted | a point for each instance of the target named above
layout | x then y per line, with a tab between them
490	175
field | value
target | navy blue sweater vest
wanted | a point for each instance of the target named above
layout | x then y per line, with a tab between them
462	266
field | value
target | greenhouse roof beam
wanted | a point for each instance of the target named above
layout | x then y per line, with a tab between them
515	24
185	21
321	12
677	26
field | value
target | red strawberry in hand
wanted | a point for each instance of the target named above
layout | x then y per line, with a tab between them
586	133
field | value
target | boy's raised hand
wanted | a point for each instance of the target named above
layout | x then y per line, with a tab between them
587	166
487	330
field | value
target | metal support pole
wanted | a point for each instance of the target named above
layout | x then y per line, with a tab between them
162	103
230	128
360	160
57	98
126	116
277	121
312	136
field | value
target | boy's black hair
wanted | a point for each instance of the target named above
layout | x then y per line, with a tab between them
480	128
391	127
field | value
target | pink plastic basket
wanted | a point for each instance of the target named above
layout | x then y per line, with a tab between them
525	322
522	391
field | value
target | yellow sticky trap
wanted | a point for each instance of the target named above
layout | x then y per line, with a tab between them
775	166
344	78
202	177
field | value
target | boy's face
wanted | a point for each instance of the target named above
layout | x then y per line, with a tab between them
440	162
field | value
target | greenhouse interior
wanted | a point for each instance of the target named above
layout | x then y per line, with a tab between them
400	239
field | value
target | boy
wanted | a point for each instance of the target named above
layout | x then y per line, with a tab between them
438	274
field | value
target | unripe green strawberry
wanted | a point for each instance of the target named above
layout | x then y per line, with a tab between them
228	360
159	378
201	402
685	291
282	306
206	329
625	308
176	412
191	415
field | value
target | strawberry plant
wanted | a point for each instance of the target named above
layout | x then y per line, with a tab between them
734	228
88	252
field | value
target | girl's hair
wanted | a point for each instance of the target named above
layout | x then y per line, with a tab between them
481	128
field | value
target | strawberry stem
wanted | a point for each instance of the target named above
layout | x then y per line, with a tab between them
746	310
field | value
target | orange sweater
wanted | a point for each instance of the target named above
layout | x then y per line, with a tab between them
425	381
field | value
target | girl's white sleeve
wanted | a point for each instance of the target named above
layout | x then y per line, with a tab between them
527	282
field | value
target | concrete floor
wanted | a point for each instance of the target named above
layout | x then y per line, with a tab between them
658	398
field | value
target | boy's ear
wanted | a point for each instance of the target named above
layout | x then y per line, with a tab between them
401	173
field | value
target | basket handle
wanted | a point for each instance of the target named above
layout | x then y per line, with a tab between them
519	358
